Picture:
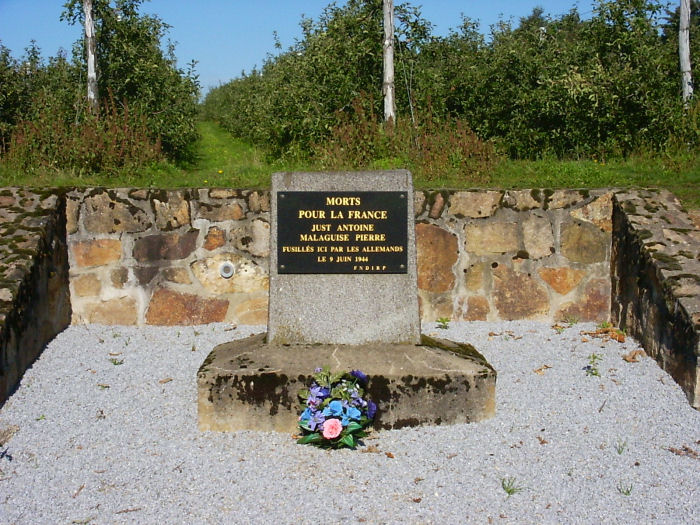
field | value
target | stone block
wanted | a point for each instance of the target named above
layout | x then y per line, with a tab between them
518	295
437	253
248	277
252	311
537	237
72	210
248	384
168	307
177	275
593	305
172	210
475	204
215	238
86	285
523	200
105	214
564	199
598	212
437	207
259	201
477	308
562	279
474	276
120	311
228	211
119	277
418	203
165	246
584	243
96	252
254	238
223	193
485	238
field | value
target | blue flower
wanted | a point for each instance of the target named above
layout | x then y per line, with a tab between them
371	409
351	413
360	376
305	415
317	420
334	408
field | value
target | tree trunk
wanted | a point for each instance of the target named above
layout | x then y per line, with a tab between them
684	51
90	46
388	87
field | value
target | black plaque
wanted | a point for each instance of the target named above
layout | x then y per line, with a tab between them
342	232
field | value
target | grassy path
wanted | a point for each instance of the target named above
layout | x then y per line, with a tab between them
223	161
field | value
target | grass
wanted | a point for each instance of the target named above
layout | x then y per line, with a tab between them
222	161
510	486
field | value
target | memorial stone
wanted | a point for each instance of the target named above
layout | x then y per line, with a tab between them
343	261
343	294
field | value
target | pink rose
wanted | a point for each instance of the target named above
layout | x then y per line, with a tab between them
332	428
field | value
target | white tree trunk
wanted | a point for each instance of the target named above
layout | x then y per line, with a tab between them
684	51
388	87
90	46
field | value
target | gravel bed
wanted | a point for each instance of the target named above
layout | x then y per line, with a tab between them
107	433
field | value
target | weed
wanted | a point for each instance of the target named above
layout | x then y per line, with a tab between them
443	322
624	488
116	361
42	417
592	367
509	486
571	320
621	446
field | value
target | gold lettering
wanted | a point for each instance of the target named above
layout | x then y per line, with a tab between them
342	201
337	214
370	237
324	237
355	227
320	227
367	214
312	214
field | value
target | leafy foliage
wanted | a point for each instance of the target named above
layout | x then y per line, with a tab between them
148	107
565	87
134	70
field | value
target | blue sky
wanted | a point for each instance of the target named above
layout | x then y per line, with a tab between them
226	37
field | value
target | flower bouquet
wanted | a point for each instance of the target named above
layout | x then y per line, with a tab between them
335	410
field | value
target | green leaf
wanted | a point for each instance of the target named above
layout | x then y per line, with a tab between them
348	440
310	438
353	426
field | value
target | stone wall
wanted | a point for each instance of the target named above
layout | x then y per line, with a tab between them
153	256
34	300
141	256
491	255
656	282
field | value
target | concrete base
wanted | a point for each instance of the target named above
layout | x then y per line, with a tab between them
248	384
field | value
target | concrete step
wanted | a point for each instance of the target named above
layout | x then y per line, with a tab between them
248	384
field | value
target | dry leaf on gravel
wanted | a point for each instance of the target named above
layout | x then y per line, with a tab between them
6	433
541	369
685	450
165	380
607	333
371	449
634	356
389	455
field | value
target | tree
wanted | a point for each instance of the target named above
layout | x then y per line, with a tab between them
388	45
137	75
92	93
684	50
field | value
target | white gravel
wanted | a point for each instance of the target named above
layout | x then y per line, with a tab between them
108	434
